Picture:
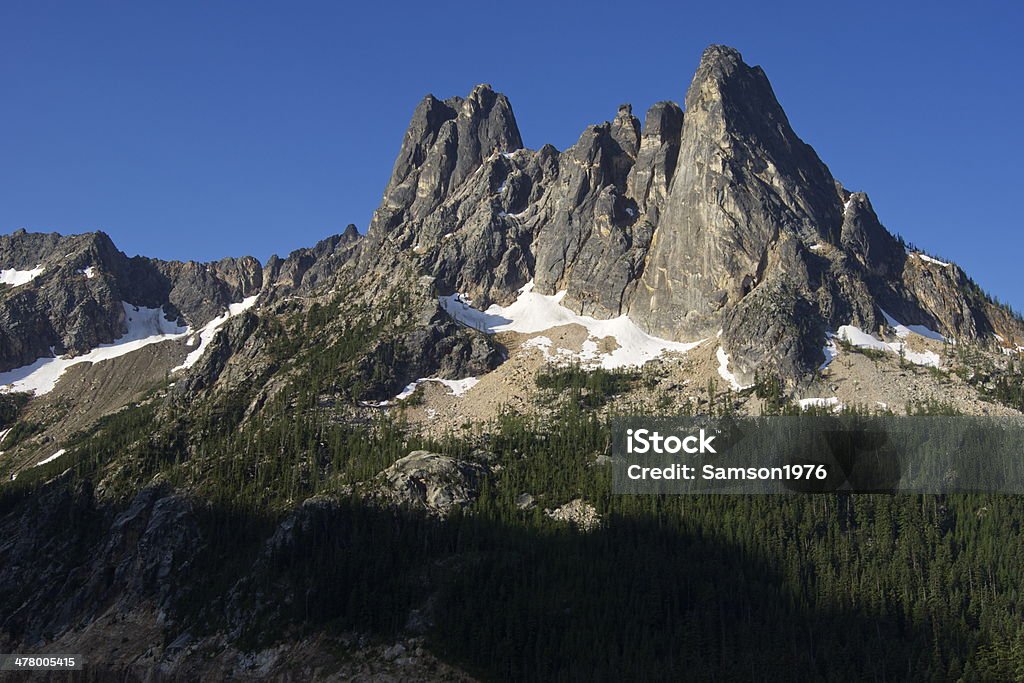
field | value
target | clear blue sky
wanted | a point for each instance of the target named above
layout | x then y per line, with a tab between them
200	130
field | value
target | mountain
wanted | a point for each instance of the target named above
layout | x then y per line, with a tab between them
73	303
712	220
388	445
698	222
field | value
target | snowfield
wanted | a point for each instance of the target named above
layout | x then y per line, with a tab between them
587	355
145	326
458	387
16	278
209	331
533	312
861	339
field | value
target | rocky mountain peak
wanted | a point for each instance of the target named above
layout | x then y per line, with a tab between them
626	130
743	177
719	62
25	250
717	222
74	289
651	176
445	143
481	98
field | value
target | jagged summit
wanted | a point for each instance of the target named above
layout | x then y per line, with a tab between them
711	222
719	62
74	300
691	224
446	142
745	185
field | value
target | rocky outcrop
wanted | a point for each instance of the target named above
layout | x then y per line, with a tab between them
62	308
75	303
651	175
577	512
432	482
589	239
745	185
67	561
445	144
310	269
133	586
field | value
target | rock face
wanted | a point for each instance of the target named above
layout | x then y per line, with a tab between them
74	304
716	219
306	270
745	182
67	560
432	482
445	144
656	160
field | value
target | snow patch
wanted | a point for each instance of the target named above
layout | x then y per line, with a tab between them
904	331
816	247
831	350
209	330
404	393
89	272
145	326
542	343
51	458
458	387
929	259
587	356
723	371
862	339
16	278
832	402
532	312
